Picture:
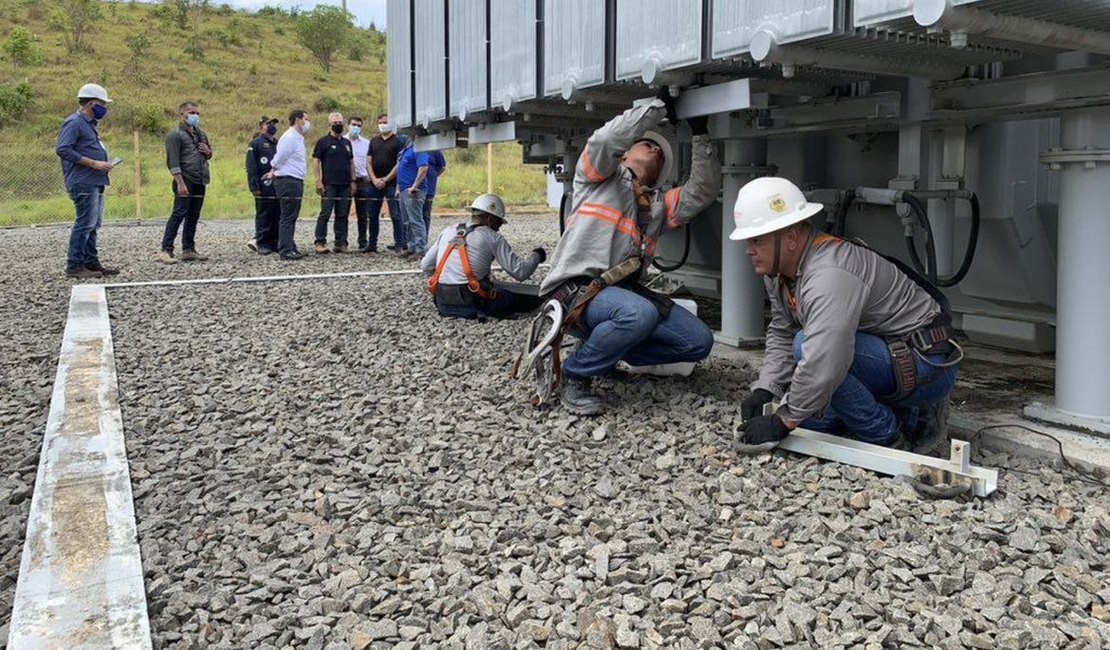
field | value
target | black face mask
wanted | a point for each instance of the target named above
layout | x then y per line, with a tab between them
337	128
271	129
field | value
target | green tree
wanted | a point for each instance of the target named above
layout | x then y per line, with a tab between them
22	49
76	19
324	31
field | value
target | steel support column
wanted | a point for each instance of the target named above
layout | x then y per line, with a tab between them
742	290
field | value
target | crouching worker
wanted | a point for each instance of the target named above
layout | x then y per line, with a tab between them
617	213
459	265
862	341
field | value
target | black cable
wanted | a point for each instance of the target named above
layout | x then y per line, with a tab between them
685	254
929	269
563	213
1083	475
969	252
841	226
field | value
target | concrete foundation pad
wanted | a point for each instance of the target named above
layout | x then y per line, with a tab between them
1052	415
1090	452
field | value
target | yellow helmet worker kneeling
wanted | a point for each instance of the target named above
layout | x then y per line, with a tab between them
863	342
458	266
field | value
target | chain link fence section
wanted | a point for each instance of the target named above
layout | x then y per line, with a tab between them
32	191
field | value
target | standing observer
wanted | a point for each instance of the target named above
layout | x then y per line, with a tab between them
333	167
187	154
437	166
288	169
85	169
412	189
360	148
384	150
260	153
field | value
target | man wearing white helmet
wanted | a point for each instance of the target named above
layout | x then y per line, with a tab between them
862	342
459	266
618	211
85	169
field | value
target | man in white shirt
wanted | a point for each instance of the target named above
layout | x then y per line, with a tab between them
361	148
288	168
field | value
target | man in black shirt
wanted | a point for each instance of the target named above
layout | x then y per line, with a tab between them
333	165
384	150
259	153
187	155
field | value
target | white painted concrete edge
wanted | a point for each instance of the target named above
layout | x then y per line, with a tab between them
81	577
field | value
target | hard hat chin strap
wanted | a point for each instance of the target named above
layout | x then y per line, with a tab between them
778	254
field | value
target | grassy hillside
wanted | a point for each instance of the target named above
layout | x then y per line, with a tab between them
245	64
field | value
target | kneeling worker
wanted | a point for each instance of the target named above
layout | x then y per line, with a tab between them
618	211
459	266
863	346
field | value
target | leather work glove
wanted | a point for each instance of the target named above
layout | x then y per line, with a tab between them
698	125
753	405
541	253
765	428
668	102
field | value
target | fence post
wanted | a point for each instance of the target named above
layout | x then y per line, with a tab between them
489	168
138	181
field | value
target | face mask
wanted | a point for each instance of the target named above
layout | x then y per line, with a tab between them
306	126
384	128
99	111
356	131
271	129
192	120
337	128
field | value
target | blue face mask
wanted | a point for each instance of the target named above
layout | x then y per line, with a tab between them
99	111
192	120
271	129
356	131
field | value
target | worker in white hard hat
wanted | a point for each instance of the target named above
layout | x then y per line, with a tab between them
85	168
863	342
619	209
458	266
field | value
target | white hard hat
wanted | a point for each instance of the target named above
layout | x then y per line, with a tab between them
768	204
93	91
668	157
490	204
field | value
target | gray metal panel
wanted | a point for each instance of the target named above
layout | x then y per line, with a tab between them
870	12
661	34
1091	14
431	52
469	74
512	51
573	45
399	64
734	22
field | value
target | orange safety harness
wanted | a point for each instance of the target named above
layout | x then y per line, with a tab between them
459	242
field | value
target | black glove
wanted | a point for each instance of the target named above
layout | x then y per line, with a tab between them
542	254
668	102
699	125
753	405
765	428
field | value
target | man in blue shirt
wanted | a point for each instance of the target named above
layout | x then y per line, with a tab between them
437	166
85	169
412	189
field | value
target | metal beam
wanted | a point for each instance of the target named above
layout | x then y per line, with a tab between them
1028	94
436	141
717	98
492	132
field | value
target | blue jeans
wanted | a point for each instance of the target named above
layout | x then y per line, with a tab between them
415	235
622	325
375	197
88	204
858	408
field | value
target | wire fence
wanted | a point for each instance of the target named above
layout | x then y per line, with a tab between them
32	191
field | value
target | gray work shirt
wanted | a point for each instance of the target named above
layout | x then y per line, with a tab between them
483	246
840	289
183	157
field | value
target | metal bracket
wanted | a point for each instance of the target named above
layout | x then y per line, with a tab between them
957	469
492	132
435	141
1057	158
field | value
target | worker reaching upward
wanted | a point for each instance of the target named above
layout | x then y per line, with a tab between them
618	211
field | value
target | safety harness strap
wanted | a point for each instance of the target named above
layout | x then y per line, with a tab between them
459	243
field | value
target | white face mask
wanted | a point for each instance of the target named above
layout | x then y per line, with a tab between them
384	128
307	125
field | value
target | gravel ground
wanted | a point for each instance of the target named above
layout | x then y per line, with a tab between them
328	464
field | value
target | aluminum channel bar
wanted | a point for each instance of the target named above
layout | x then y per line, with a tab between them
435	141
892	461
81	574
492	132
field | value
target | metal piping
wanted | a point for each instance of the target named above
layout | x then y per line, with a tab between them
765	48
966	20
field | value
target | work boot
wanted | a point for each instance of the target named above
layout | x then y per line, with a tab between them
191	255
82	272
322	248
932	428
104	270
897	440
294	255
166	257
339	249
578	397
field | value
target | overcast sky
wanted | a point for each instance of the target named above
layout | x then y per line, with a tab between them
365	11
